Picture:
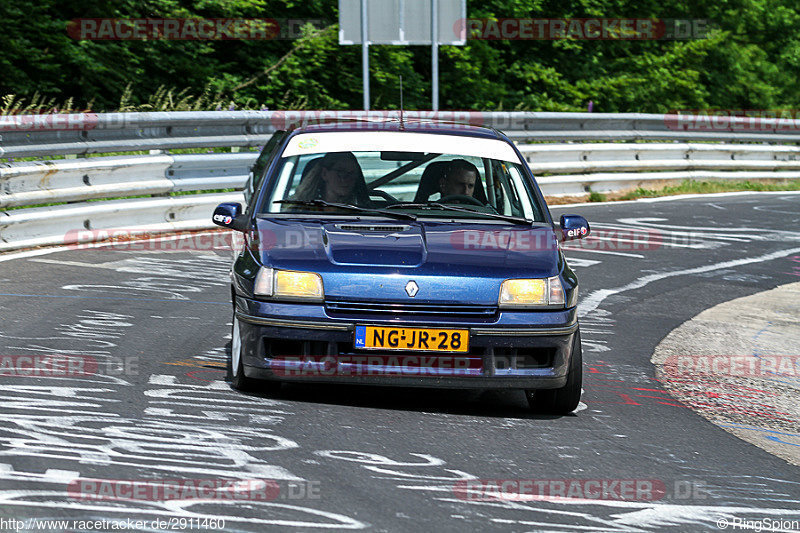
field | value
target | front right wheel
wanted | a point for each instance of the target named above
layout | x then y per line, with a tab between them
565	399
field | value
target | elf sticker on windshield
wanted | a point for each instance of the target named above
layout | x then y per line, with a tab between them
307	144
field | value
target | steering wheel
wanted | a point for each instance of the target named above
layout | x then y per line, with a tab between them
461	199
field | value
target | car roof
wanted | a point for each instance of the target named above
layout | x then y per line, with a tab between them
415	126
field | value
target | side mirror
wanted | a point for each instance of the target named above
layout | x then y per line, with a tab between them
229	216
574	227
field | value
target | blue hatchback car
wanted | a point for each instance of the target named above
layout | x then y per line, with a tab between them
415	254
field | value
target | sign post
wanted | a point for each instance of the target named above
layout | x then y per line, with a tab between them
434	55
365	52
403	23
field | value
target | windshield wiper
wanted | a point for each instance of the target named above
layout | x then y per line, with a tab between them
348	207
440	206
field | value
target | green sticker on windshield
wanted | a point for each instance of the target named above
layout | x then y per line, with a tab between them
307	144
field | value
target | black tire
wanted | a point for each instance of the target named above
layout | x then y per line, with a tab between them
235	366
563	400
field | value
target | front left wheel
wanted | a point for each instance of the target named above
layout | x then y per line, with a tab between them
563	400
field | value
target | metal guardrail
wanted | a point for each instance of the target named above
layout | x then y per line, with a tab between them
90	133
42	226
564	168
74	184
574	169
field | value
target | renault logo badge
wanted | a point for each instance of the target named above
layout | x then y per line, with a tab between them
412	288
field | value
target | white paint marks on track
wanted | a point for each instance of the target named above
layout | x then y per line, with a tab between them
593	301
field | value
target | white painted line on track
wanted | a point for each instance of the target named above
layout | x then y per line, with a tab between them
593	301
623	254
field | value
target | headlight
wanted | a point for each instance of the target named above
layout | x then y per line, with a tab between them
288	284
531	292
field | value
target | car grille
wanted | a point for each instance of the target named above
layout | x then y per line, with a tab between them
386	310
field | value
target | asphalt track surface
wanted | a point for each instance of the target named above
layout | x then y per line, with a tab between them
158	407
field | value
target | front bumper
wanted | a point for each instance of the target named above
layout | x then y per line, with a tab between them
301	343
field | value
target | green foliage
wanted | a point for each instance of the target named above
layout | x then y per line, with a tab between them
595	196
750	60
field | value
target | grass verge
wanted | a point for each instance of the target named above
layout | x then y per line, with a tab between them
685	187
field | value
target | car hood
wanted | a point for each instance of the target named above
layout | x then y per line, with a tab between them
450	262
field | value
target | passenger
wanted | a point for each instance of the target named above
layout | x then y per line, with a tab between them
337	177
459	179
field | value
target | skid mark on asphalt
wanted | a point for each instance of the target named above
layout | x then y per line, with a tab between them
792	439
613	384
795	267
625	385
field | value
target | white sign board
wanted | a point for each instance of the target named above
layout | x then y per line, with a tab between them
403	22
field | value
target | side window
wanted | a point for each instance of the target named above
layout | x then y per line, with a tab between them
521	203
259	168
506	197
304	165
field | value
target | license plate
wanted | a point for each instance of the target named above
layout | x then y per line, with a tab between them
416	339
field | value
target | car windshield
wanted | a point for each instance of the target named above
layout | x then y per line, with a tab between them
453	185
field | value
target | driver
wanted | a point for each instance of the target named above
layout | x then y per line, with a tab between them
336	177
459	179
